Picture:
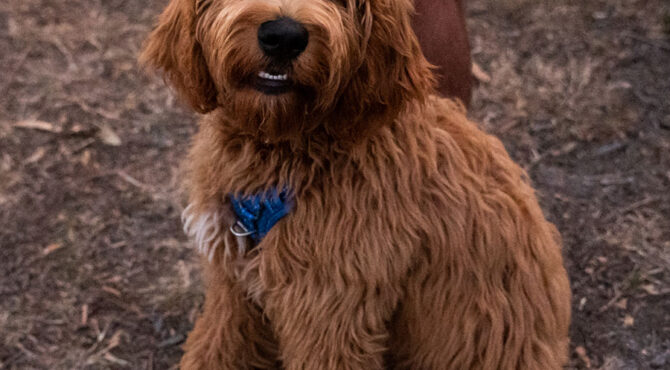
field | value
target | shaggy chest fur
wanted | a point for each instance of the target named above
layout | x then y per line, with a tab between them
366	208
358	207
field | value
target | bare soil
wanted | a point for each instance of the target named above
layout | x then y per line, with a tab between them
95	272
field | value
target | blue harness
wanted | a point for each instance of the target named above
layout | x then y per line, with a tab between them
258	213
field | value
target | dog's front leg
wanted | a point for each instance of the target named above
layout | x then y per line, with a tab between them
321	327
231	333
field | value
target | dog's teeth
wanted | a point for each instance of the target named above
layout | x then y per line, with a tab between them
269	76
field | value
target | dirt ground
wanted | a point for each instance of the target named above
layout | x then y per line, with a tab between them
96	273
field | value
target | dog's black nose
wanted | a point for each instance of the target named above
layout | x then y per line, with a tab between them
282	38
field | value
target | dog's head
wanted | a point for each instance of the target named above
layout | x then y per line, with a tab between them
287	67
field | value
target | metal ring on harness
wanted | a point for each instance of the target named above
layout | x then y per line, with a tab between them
244	232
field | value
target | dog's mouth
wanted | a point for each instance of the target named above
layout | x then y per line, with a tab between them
272	83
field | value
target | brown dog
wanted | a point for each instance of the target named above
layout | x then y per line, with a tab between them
412	240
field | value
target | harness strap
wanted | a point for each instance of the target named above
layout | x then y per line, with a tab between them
258	213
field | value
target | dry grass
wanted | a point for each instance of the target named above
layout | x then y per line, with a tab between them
95	272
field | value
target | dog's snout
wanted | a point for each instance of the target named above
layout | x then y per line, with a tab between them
282	38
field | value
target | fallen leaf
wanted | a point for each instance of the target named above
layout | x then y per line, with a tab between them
51	248
38	125
651	289
628	321
622	304
108	136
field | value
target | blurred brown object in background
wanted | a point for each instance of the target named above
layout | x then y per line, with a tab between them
440	27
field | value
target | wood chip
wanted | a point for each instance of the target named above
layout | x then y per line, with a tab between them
479	73
628	321
582	303
185	274
38	125
650	289
112	291
51	248
581	352
622	304
115	340
36	156
113	359
108	136
84	315
564	149
85	158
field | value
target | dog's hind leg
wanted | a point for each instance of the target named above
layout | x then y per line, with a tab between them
231	333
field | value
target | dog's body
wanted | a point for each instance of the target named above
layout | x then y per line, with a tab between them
414	241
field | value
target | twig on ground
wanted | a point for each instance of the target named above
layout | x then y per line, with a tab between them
639	204
611	302
131	180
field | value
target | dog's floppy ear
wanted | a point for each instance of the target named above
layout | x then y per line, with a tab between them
173	49
393	62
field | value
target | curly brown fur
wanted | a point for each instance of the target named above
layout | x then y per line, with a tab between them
415	242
